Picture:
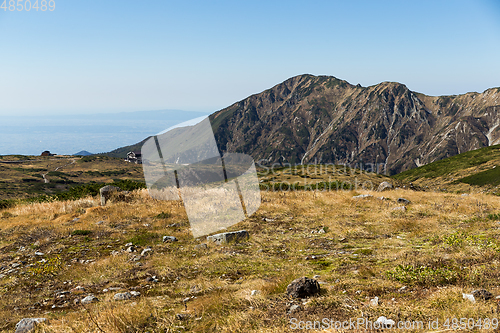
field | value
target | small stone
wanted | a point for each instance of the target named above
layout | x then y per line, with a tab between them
201	246
469	297
321	231
303	287
122	296
384	322
131	249
362	196
168	239
293	308
482	294
228	236
78	289
404	201
100	222
343	240
135	293
28	324
129	244
402	289
374	301
146	251
316	277
89	299
255	292
182	316
400	208
39	253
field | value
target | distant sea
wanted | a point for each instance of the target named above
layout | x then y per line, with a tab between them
97	133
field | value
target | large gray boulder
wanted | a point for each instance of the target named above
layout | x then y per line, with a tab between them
106	193
122	296
384	186
89	299
28	324
228	236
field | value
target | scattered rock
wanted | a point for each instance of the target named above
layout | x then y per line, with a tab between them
135	293
173	225
293	308
100	222
321	231
169	239
106	191
228	236
28	324
400	208
402	289
385	323
89	299
152	279
131	249
384	186
255	292
343	240
146	251
303	287
404	201
316	277
201	246
78	289
374	301
39	253
482	294
122	296
182	316
470	297
465	195
362	196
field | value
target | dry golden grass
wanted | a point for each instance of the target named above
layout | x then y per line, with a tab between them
368	250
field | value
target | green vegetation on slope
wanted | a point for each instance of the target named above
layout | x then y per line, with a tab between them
453	164
488	177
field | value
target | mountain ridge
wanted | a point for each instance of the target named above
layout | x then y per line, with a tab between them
311	119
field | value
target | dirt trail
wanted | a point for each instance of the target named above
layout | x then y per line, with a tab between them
46	180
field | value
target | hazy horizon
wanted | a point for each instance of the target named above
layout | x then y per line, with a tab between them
97	133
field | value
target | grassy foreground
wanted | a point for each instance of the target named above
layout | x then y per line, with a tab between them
443	245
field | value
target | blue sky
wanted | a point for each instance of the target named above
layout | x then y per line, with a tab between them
110	56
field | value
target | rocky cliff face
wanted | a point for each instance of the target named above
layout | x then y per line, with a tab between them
321	119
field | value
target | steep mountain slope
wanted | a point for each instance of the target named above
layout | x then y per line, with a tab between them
321	119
